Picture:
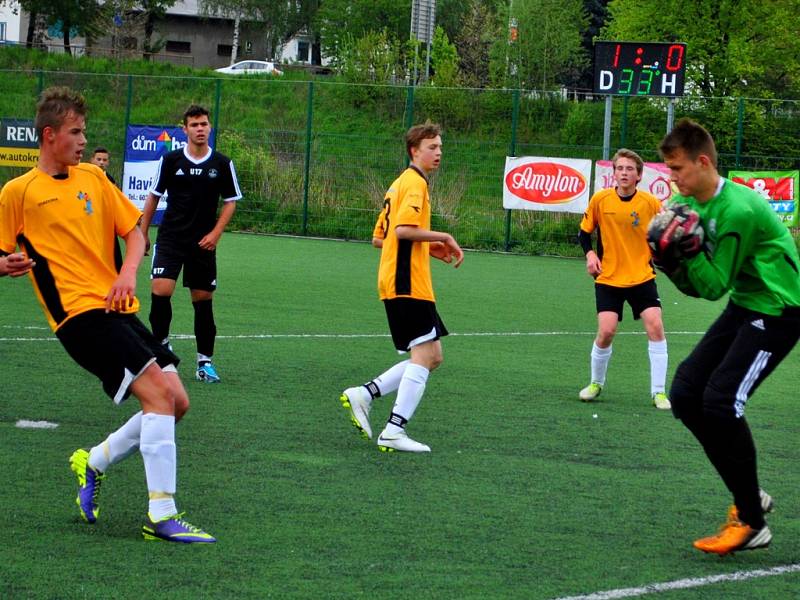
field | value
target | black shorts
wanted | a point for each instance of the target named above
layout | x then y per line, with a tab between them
640	297
739	351
115	348
199	266
413	322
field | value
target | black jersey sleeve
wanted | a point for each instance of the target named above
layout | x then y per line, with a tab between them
229	189
161	181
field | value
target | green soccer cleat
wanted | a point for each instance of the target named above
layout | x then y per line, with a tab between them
590	392
89	481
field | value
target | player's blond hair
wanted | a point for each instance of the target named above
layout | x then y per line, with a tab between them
625	153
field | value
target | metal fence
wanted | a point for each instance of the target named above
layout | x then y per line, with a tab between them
315	157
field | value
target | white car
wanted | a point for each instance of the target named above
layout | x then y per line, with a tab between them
249	67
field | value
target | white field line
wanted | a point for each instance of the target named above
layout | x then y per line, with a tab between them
260	336
26	424
682	584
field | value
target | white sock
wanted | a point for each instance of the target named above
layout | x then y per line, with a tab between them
160	462
389	381
600	358
202	358
658	366
117	446
409	393
162	508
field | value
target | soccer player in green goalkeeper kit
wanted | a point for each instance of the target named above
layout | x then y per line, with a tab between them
748	253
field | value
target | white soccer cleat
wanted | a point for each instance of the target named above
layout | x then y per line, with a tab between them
356	400
399	441
661	401
590	392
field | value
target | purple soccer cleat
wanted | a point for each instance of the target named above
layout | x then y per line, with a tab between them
174	529
89	481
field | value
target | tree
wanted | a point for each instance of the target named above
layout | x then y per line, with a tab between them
153	11
339	20
547	50
278	22
444	60
734	47
597	11
452	14
72	16
479	30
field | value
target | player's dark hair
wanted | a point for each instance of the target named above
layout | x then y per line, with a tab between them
100	149
417	133
195	110
692	138
54	105
625	153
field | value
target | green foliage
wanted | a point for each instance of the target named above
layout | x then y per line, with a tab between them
735	47
355	146
547	52
474	38
444	60
372	58
340	21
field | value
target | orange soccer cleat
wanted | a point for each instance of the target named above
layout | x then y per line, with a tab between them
735	536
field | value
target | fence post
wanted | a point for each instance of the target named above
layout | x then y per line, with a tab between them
409	106
624	130
307	165
128	104
739	132
217	97
512	151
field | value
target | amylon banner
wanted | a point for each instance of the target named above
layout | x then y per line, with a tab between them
779	188
553	184
144	146
19	144
655	178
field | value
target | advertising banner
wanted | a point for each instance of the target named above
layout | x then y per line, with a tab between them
655	178
144	146
779	188
552	184
19	144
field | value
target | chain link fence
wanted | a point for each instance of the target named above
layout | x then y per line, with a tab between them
315	157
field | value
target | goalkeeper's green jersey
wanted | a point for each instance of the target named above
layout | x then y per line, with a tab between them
749	252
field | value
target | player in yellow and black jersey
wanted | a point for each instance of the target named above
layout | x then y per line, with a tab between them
623	272
65	216
403	233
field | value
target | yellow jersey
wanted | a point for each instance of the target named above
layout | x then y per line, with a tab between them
69	227
622	235
405	269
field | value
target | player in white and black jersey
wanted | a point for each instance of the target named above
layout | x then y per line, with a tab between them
194	180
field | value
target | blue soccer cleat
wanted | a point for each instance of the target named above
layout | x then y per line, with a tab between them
89	481
175	529
207	373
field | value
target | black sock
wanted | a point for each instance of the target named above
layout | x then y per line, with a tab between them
160	316
205	330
